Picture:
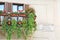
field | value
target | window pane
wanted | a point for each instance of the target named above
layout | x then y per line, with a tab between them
2	7
20	18
2	17
14	18
20	8
14	8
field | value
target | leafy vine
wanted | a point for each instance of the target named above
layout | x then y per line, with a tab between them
23	29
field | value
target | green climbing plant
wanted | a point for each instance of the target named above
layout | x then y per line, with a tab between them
26	28
18	30
31	24
9	29
31	21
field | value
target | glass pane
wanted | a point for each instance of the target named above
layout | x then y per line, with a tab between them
2	7
14	8
2	17
14	18
20	18
20	8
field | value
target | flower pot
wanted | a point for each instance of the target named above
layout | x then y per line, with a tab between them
22	15
14	15
9	22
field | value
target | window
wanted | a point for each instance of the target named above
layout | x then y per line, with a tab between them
20	18
1	9
1	6
14	8
2	17
20	7
14	18
17	18
17	7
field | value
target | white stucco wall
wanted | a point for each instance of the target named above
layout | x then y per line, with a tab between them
47	12
45	15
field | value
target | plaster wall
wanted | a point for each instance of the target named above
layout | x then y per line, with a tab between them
47	12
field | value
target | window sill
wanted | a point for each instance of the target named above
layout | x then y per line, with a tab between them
15	15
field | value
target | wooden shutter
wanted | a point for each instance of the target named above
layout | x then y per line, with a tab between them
8	7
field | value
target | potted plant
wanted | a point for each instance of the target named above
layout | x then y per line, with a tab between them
19	22
22	14
9	29
14	14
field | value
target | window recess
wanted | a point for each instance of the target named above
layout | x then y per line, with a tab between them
2	6
18	7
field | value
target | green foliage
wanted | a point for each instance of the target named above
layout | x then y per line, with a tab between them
31	23
23	30
28	25
4	25
13	25
18	30
9	29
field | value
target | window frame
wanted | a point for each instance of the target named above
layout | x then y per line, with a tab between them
2	3
13	8
1	19
18	6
